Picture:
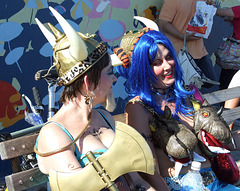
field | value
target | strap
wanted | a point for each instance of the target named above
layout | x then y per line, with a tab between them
77	153
64	129
105	118
150	109
185	49
63	148
73	142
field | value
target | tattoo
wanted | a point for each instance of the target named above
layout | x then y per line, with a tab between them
147	137
98	132
94	132
72	167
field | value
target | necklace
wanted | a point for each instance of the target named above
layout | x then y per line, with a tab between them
166	95
65	147
161	90
165	99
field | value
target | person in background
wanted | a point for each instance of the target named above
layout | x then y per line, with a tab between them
158	104
173	20
233	102
85	69
232	15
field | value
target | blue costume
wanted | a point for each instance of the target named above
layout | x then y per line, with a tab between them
81	157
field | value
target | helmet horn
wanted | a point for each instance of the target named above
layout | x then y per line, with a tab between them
57	33
77	48
149	23
49	36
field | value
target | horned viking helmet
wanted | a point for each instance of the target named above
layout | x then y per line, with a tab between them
130	39
74	53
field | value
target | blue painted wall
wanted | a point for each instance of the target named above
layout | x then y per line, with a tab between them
24	50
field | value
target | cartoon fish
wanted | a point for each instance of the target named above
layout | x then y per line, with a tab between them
102	5
12	104
151	12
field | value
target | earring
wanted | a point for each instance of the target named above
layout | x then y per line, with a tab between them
87	98
90	101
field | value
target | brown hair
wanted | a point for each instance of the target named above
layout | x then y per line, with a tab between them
93	74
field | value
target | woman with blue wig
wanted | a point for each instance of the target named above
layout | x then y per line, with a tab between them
143	78
159	104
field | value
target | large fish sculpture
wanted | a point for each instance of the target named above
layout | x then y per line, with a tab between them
12	105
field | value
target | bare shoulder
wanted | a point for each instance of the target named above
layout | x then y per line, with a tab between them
135	107
138	116
52	137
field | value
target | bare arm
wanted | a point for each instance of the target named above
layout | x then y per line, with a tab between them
225	12
167	27
138	117
64	161
230	104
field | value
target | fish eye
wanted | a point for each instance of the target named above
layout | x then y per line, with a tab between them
16	108
205	114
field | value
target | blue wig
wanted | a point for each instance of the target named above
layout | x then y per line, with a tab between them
140	75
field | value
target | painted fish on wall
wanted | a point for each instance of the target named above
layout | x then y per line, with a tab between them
152	13
12	105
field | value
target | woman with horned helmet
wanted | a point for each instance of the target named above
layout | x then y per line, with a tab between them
69	143
163	111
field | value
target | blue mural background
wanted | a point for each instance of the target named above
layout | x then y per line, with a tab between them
24	50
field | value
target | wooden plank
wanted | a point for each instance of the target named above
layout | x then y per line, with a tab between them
222	95
15	163
25	179
24	145
231	115
17	147
228	115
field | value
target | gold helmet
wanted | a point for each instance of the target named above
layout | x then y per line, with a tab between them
130	38
73	52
